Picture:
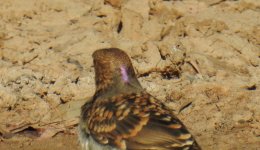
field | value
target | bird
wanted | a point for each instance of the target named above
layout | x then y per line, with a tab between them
122	115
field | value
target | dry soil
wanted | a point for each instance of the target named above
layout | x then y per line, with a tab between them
201	57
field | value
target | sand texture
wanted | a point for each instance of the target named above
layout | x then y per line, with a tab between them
201	57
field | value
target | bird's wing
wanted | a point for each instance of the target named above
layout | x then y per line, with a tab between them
162	132
136	121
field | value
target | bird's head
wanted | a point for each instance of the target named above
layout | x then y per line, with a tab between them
113	67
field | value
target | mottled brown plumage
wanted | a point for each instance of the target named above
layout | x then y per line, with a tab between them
122	115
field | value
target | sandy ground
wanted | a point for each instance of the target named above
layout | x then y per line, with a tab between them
200	57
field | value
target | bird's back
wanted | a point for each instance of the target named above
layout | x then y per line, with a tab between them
136	121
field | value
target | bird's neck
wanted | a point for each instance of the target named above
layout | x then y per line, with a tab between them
116	82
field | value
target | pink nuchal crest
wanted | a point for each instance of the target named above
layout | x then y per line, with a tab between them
124	74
